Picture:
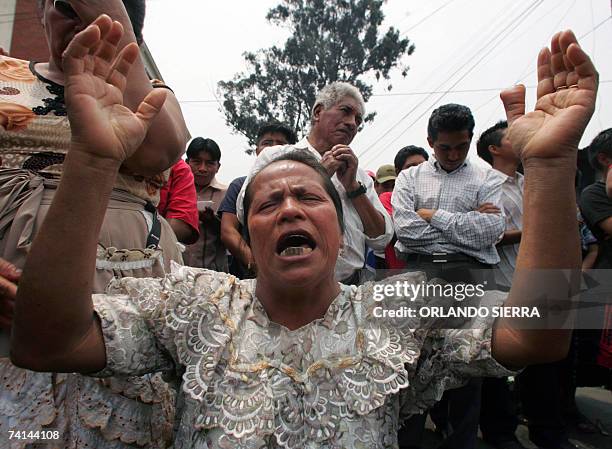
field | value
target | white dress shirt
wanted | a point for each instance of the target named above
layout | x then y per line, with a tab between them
455	227
352	254
512	203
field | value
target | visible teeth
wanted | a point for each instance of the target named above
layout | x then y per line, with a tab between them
295	251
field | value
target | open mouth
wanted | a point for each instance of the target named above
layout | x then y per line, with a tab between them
296	243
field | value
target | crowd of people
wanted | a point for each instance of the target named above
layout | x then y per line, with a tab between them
158	306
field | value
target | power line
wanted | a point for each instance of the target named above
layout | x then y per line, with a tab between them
508	29
427	17
416	93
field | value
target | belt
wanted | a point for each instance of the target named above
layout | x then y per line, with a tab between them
439	258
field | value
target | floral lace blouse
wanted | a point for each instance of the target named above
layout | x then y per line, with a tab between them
342	381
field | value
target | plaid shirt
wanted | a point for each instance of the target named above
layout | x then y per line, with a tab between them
455	227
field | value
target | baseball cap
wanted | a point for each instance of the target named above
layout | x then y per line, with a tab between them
385	173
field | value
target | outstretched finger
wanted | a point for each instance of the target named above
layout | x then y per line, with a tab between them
514	102
546	84
122	65
150	106
565	40
73	58
588	78
559	69
107	49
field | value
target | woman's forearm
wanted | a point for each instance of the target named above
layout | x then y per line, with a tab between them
54	310
547	264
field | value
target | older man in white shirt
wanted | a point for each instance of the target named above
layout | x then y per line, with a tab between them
336	116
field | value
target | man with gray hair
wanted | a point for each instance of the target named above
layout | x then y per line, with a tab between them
336	116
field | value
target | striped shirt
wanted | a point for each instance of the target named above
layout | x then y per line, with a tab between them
455	227
512	203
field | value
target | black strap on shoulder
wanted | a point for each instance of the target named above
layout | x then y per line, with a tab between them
155	232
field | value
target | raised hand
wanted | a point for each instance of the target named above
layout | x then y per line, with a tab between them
567	88
95	80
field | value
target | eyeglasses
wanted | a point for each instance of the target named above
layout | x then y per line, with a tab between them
65	8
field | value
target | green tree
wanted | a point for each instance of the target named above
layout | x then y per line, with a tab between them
331	40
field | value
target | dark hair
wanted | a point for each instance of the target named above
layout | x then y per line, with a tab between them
200	144
405	153
276	127
602	143
136	10
304	158
492	136
450	118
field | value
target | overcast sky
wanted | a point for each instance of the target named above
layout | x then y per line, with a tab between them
470	48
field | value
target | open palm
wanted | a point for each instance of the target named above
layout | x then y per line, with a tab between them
567	89
95	79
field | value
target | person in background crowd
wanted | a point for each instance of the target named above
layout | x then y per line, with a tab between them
242	264
204	159
498	413
384	182
132	241
595	204
447	221
495	148
407	157
337	113
178	203
596	208
385	179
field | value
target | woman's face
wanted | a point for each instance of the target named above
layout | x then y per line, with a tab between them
61	25
295	236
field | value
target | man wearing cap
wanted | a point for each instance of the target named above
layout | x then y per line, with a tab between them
385	179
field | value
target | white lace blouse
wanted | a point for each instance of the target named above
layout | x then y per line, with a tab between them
342	381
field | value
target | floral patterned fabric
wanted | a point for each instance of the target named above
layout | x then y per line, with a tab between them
341	381
114	413
35	132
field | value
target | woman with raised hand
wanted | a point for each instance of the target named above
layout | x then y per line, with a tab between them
292	359
132	241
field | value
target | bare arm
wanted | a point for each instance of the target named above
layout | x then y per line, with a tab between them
511	237
184	233
589	260
55	328
232	239
609	182
547	140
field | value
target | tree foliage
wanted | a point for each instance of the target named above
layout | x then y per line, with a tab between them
331	40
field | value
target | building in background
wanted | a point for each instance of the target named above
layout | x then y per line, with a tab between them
22	35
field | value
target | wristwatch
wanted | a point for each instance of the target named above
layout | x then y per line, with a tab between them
358	191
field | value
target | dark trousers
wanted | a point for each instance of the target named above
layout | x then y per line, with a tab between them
458	413
541	389
498	421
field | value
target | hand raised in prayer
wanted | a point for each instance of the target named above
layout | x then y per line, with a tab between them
96	74
567	88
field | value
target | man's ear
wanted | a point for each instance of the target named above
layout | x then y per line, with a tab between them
430	142
603	160
316	113
494	150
